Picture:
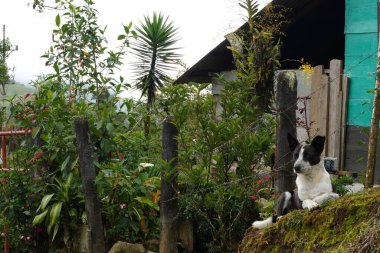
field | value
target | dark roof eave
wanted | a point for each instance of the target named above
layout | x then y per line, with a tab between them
202	70
211	63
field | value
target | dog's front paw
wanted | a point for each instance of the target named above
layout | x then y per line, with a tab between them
309	204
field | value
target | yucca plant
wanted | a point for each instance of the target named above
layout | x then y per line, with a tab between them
155	53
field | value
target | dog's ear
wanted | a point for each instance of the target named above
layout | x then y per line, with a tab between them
293	142
318	143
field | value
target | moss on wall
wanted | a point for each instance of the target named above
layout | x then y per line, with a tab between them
349	224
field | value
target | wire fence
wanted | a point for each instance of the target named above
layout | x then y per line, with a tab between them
261	123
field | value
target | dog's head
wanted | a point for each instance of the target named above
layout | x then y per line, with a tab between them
306	155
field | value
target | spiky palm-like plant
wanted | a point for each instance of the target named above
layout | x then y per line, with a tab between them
155	53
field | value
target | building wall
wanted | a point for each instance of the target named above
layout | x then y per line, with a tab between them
360	58
360	66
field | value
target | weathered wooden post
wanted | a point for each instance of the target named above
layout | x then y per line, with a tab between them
88	174
374	132
286	103
168	201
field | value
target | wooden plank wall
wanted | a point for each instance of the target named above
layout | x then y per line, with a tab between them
319	104
315	97
345	90
329	91
335	109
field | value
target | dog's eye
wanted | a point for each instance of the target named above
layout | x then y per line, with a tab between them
296	155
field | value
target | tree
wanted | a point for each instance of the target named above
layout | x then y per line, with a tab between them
155	57
5	50
4	76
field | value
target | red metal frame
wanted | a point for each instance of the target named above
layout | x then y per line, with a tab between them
4	168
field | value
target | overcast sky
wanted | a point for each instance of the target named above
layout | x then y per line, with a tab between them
202	25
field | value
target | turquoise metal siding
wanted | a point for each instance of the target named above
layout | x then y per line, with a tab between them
360	58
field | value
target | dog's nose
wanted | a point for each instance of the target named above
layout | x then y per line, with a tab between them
297	168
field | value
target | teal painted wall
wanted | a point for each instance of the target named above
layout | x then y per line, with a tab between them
360	58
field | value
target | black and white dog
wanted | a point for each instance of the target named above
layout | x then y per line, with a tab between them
313	181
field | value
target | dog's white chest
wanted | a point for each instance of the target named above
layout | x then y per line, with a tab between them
311	186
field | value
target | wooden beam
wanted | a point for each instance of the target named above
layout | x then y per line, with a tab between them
374	132
322	109
88	174
345	90
315	94
169	200
335	108
286	124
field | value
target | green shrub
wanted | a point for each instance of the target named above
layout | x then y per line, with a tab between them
339	184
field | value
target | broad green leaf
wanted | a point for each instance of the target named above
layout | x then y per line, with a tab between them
35	132
45	201
55	231
49	94
73	213
64	164
144	200
110	128
69	179
72	8
99	124
127	28
98	165
55	212
49	229
56	68
84	217
137	213
39	218
121	37
73	164
58	20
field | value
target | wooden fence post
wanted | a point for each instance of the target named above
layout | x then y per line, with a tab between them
335	110
345	90
88	174
374	132
169	201
319	115
286	103
315	94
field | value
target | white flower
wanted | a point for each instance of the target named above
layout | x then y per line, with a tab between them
146	165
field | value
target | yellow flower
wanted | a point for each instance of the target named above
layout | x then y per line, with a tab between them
307	69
